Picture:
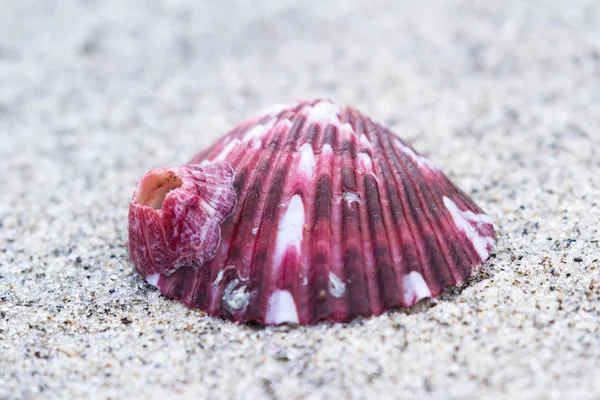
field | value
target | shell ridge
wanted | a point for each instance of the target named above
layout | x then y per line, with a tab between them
146	243
304	187
260	277
277	291
321	233
165	243
211	152
469	251
266	166
323	135
386	275
215	296
246	162
207	287
338	305
222	280
370	277
392	277
240	131
259	255
463	220
305	288
392	195
467	202
462	259
371	274
368	180
217	264
292	221
410	219
262	157
435	269
429	204
355	286
256	158
257	129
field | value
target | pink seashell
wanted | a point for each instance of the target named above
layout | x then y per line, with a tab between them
303	213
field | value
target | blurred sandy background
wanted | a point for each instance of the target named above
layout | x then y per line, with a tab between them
504	95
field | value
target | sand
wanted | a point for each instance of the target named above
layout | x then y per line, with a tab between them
503	95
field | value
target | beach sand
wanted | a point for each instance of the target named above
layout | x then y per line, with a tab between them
504	96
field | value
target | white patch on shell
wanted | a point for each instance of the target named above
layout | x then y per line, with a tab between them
221	273
225	152
255	230
365	161
337	288
415	288
153	279
324	111
364	140
286	122
236	299
258	131
282	308
351	197
306	164
219	277
210	210
290	230
463	219
327	150
347	131
420	160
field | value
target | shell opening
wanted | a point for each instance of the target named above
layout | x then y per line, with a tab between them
155	187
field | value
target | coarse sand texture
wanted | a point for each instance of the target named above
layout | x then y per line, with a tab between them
502	96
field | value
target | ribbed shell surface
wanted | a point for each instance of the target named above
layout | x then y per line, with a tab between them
335	217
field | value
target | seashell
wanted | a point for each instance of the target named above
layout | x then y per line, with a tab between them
303	213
